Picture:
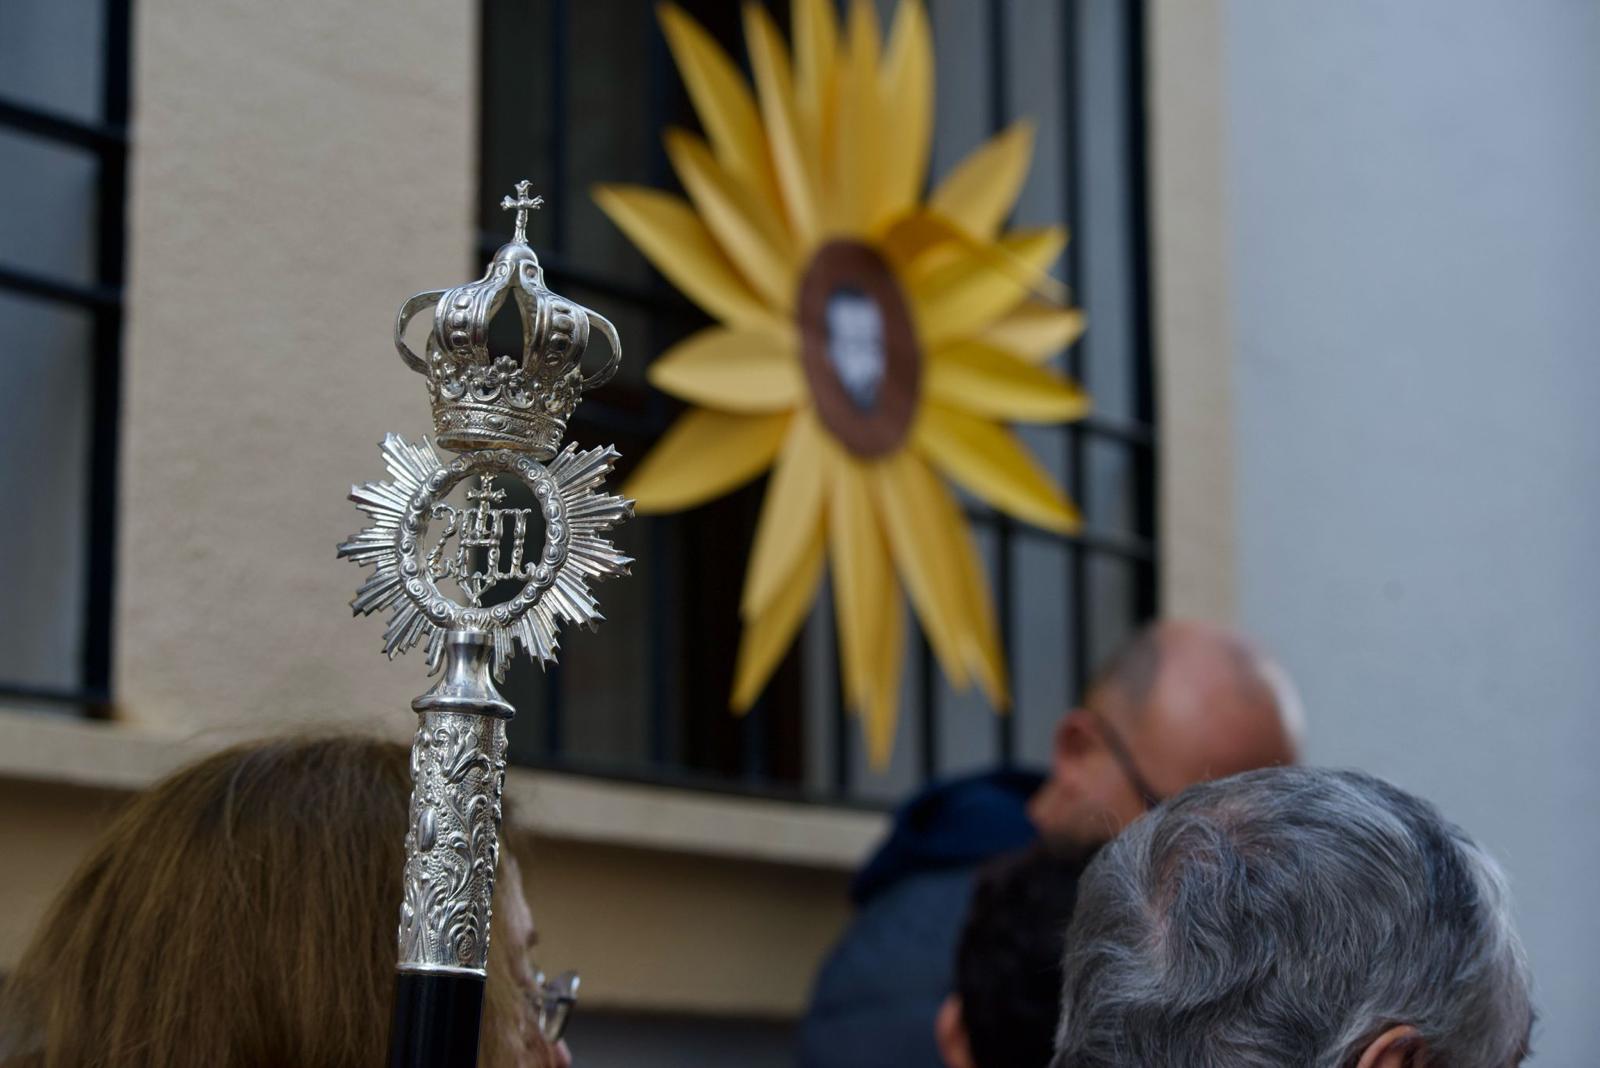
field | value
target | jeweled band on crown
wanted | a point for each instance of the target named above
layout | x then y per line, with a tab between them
483	400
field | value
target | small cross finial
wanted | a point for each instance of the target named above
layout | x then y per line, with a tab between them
486	493
522	203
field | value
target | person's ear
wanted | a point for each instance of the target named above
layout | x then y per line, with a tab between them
1398	1047
950	1030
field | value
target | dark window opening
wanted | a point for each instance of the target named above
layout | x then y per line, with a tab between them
579	93
64	85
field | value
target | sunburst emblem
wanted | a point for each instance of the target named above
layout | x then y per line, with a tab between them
871	343
484	545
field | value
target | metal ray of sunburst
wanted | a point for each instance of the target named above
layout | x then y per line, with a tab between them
498	417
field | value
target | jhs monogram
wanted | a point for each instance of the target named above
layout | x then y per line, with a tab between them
480	533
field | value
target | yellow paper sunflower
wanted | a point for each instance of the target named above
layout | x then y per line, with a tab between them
870	344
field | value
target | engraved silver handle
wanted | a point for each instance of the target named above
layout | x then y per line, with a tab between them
458	770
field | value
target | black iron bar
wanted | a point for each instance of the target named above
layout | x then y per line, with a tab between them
656	419
1004	575
1135	434
556	56
59	291
1147	589
659	673
928	689
1072	155
106	399
841	726
753	763
555	739
1113	543
1005	608
109	137
555	691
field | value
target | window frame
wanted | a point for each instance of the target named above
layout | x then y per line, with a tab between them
107	141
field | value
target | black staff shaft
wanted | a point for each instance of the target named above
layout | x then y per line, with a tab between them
436	1020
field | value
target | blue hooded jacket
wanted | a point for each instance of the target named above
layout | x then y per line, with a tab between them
877	994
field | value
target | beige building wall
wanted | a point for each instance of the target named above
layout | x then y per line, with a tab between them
667	900
52	825
1193	333
297	171
651	930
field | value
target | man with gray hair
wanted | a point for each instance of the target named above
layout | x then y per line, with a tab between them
1293	917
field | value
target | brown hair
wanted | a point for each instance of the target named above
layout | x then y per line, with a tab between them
240	913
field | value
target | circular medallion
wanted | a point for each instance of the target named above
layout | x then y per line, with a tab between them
859	348
468	551
418	540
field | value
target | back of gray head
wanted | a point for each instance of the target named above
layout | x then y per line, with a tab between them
1288	917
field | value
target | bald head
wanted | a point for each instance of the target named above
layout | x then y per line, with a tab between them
1184	702
1200	702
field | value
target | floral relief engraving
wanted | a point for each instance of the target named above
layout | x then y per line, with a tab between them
458	769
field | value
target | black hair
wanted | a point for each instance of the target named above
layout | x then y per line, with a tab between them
1008	961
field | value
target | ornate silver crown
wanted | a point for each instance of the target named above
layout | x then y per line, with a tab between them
483	400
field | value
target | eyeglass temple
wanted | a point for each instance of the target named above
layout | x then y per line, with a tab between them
1124	758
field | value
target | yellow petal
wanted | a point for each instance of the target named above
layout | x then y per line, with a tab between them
745	230
797	168
1035	330
731	370
911	238
791	513
704	455
767	637
908	106
925	248
908	509
963	296
861	572
721	99
816	48
989	462
990	381
883	702
980	638
673	238
854	192
980	192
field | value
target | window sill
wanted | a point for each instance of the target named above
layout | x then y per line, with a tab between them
40	747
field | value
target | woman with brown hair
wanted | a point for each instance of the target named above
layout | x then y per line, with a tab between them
242	913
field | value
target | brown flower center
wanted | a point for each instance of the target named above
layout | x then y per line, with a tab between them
859	348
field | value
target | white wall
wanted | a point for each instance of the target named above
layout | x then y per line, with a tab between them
1415	228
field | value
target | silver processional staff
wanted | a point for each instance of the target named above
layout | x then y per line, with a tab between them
472	582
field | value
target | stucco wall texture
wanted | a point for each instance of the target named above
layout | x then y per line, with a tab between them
296	174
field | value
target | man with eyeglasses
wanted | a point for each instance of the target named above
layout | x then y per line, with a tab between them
1183	702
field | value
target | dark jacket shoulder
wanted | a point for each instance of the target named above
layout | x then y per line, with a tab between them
877	993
